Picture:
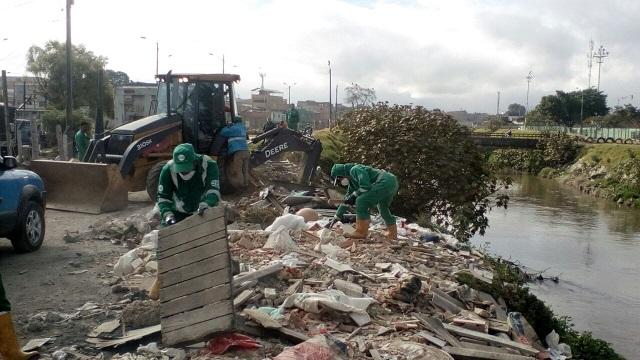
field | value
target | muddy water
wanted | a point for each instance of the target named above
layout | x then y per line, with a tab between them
592	244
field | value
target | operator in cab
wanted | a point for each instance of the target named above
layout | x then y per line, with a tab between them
238	151
9	347
367	187
188	184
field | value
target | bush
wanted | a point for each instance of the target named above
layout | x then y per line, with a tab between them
440	169
332	147
558	149
55	117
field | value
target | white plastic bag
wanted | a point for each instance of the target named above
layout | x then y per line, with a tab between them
150	241
125	264
557	350
290	221
280	240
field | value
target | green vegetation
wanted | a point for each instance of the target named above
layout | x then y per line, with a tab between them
332	147
440	169
554	151
58	117
509	283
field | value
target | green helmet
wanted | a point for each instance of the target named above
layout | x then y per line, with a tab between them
183	157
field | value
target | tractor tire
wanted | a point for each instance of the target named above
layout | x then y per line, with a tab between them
153	176
29	233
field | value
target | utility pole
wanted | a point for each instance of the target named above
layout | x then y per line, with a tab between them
498	106
289	89
330	106
600	55
590	61
7	129
526	110
69	108
223	63
336	112
157	55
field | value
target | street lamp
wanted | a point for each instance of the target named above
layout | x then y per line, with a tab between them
289	86
222	61
157	51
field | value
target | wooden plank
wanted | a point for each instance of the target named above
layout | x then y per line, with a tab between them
258	274
198	332
436	326
446	302
194	270
194	285
243	298
220	234
191	256
491	339
432	339
209	214
472	354
195	300
105	328
168	243
193	317
470	345
131	335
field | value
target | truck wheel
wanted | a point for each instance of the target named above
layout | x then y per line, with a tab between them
152	180
29	233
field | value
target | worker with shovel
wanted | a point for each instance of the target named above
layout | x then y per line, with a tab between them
367	187
9	347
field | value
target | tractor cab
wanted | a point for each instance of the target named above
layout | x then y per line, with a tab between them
204	102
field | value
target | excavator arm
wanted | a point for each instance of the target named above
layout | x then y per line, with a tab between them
281	140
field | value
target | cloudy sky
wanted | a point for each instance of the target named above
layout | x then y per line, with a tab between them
453	54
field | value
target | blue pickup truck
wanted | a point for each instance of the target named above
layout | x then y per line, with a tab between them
22	202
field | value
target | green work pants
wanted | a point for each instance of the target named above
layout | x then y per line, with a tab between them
381	195
4	303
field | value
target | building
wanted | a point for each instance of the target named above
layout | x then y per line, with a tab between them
23	92
133	103
263	106
319	113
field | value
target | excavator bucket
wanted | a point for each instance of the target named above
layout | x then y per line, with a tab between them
91	188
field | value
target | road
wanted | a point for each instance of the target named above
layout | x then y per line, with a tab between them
41	281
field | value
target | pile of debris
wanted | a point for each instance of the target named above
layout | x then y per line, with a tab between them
300	283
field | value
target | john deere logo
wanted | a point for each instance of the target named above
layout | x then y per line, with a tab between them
181	157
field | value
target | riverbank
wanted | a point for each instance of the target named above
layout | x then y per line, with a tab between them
610	171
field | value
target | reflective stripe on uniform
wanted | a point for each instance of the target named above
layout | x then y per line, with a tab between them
205	165
216	192
238	138
162	200
172	171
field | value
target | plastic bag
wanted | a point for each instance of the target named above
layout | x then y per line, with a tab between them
280	240
220	344
126	263
557	350
320	347
290	221
150	241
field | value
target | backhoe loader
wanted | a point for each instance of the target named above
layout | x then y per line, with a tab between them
194	108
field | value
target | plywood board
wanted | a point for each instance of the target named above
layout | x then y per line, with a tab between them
194	272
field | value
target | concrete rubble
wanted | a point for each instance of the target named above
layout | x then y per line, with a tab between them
301	284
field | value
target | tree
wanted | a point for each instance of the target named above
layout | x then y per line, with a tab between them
516	109
564	108
440	170
48	64
359	96
117	78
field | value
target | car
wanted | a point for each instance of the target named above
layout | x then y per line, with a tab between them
22	203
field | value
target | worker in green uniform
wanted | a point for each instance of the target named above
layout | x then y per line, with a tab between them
188	184
293	117
9	347
367	187
82	140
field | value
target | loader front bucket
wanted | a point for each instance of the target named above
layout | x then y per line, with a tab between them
82	187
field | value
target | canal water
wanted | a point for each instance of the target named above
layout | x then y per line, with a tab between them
592	244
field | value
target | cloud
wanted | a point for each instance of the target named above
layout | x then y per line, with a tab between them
451	55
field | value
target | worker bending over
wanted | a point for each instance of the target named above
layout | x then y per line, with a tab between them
188	184
238	151
367	187
9	347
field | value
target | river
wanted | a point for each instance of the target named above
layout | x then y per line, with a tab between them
592	244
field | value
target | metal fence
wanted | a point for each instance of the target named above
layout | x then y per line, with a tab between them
592	132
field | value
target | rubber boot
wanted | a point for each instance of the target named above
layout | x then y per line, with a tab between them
9	348
392	232
154	291
362	230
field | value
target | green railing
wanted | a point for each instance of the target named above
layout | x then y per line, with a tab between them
592	132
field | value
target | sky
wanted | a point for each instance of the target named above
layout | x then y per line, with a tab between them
451	55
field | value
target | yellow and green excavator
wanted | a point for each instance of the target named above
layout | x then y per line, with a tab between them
190	108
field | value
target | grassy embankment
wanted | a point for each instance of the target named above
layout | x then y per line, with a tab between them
507	284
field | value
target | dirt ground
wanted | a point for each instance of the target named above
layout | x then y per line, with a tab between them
42	281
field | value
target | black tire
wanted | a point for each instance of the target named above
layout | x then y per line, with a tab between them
29	233
153	176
